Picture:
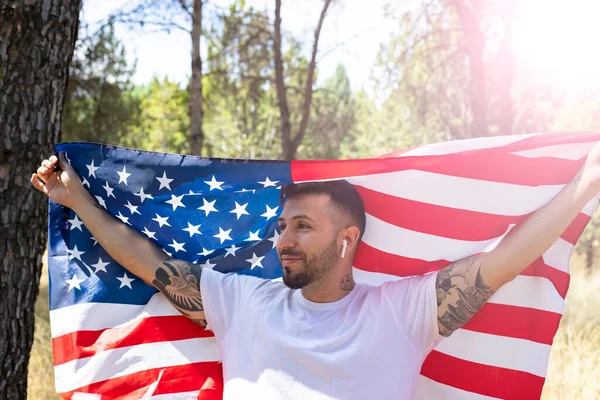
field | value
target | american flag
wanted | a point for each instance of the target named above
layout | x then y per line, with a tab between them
115	337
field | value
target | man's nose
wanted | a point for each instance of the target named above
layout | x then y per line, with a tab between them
287	240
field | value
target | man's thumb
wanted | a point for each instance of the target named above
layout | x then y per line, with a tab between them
63	163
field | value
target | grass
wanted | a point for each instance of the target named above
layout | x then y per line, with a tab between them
572	372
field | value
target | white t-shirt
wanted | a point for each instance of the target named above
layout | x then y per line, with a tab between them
276	344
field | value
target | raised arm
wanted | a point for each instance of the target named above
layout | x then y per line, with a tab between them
178	280
464	286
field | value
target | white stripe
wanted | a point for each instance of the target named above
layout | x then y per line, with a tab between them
523	291
113	315
123	361
483	348
428	389
567	151
408	243
532	292
558	255
591	205
177	396
462	193
456	146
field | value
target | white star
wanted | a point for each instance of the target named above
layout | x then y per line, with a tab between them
231	250
143	196
239	210
270	213
208	207
91	169
214	184
100	265
164	181
101	201
245	190
125	281
161	220
109	190
223	235
132	209
192	229
274	239
74	282
75	253
94	239
123	218
253	236
76	223
266	183
123	175
208	265
148	233
255	261
169	254
205	252
177	246
176	201
85	182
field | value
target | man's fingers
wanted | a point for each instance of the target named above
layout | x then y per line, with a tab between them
48	164
53	159
37	184
43	172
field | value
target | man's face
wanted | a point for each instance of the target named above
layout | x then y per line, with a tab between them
307	245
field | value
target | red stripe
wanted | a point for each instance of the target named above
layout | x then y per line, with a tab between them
516	322
207	376
559	279
425	217
574	230
82	344
495	167
487	380
373	260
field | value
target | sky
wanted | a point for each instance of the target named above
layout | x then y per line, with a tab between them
555	40
351	36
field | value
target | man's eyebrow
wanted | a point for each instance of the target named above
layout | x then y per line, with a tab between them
301	216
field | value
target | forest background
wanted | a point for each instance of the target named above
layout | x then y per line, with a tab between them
442	70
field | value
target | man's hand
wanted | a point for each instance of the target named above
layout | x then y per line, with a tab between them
63	186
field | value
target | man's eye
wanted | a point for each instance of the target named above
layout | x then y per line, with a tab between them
281	228
302	225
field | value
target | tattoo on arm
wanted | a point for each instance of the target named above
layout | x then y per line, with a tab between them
347	282
179	281
461	292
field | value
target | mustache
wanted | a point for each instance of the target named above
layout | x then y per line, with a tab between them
292	253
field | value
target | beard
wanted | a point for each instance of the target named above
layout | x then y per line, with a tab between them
314	269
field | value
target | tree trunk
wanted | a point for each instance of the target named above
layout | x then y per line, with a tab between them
284	111
290	144
196	133
37	40
475	42
506	75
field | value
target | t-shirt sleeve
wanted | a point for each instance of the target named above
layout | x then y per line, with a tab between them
414	303
223	296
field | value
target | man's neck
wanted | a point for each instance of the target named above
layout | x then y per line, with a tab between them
329	290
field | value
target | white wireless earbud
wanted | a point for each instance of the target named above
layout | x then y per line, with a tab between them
344	246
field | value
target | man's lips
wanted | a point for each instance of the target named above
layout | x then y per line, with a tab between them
287	260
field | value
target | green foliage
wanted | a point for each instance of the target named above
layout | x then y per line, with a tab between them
100	104
163	122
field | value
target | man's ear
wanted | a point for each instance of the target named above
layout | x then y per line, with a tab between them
351	235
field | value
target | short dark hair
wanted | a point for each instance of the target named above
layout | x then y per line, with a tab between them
341	192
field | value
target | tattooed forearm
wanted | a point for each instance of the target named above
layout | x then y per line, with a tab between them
347	282
461	292
179	281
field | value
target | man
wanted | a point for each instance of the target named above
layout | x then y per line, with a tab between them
318	335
